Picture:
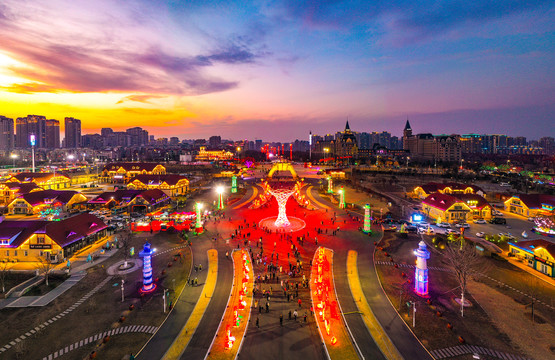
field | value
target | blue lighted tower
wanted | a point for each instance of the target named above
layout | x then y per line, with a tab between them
421	273
146	254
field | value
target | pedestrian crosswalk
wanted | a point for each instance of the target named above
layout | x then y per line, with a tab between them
121	330
471	349
409	266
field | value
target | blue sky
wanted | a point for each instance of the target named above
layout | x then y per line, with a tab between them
277	69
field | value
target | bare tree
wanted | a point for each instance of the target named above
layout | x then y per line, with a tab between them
4	271
45	265
465	261
125	244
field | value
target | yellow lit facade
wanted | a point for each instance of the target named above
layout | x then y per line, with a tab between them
171	185
47	181
538	254
209	155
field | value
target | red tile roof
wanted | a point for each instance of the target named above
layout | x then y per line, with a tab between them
435	187
532	245
131	166
535	201
22	188
440	201
40	197
170	179
75	228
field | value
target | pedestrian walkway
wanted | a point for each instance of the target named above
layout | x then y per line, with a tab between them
251	198
55	318
313	198
118	331
409	266
187	332
471	349
378	334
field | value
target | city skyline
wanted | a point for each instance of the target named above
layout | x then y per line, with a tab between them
277	71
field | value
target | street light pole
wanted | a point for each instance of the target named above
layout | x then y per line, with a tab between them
122	282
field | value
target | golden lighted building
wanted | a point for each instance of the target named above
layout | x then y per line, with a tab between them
454	208
33	239
39	201
426	190
46	181
172	185
538	254
531	205
122	172
211	155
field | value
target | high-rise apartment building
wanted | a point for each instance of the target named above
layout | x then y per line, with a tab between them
73	133
6	133
30	125
52	132
139	137
548	145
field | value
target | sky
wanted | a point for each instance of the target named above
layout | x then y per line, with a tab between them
275	70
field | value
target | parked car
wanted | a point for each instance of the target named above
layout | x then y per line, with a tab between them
531	219
444	225
449	231
462	225
480	234
426	230
507	235
498	220
480	221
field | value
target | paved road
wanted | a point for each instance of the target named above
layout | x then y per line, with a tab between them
162	340
407	344
201	340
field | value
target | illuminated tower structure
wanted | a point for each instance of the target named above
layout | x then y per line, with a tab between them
342	198
146	254
421	273
220	191
367	220
198	223
234	184
330	185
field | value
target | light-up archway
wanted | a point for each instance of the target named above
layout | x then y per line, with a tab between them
283	166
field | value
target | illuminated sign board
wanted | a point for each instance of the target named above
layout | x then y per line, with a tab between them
32	139
417	217
40	246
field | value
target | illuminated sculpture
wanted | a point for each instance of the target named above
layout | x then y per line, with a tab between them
367	220
330	185
233	184
342	198
281	195
146	254
421	273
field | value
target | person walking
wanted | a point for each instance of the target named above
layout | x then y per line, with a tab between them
295	314
281	320
299	303
258	322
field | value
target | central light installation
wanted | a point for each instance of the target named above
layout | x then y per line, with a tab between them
146	254
282	195
220	191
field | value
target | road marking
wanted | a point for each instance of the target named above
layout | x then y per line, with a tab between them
309	193
253	196
376	331
182	340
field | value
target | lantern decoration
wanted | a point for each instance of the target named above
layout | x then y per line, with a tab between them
330	185
198	223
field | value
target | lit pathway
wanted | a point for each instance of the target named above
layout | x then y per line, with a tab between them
457	351
333	329
313	199
121	330
248	201
378	334
218	349
182	340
